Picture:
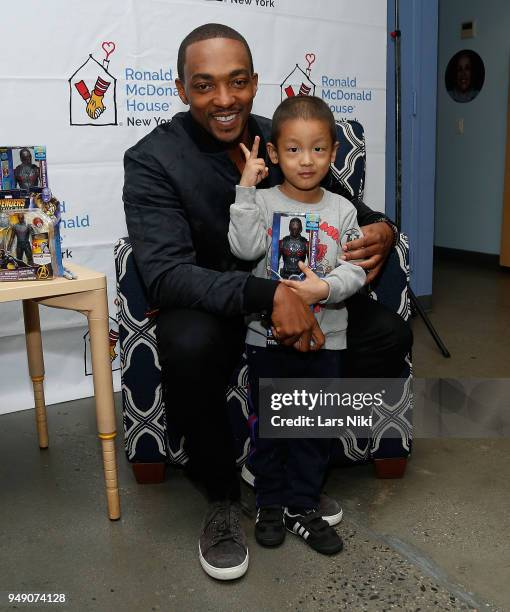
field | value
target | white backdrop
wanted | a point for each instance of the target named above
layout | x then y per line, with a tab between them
339	47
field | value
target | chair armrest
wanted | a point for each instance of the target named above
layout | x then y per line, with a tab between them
391	286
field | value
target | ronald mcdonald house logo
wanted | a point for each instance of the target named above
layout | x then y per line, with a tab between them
298	82
93	91
147	95
341	94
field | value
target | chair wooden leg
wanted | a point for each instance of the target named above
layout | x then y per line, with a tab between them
149	473
36	367
393	467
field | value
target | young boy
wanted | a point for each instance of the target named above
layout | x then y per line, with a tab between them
289	472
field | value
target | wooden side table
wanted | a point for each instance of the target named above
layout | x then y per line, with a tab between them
86	294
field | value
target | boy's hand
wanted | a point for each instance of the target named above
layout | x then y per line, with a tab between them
255	169
312	289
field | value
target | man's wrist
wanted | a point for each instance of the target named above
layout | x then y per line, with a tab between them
259	295
392	226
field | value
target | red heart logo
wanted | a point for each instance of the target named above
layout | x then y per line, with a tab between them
310	58
108	48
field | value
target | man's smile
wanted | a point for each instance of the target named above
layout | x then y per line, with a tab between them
225	118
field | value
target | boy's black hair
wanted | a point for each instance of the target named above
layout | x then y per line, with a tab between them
302	107
206	32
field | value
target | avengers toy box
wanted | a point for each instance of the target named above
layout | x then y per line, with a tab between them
29	237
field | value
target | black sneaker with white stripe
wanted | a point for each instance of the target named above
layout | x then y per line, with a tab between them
331	511
314	530
269	526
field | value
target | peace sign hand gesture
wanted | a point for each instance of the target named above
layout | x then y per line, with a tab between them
255	169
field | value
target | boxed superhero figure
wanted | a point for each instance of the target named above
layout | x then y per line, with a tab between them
29	236
23	168
294	238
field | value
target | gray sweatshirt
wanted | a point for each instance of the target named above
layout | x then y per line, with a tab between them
251	219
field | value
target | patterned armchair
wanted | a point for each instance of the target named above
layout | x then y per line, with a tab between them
151	441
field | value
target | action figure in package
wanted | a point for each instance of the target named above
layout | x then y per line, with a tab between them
289	246
30	246
29	240
23	168
293	248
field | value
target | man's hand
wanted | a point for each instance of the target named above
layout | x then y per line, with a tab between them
255	169
311	289
373	248
294	323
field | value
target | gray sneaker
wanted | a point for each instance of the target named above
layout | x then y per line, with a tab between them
330	510
222	547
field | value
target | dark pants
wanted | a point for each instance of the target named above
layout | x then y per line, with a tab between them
199	352
289	471
378	340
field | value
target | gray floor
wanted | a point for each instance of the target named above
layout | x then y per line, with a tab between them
439	539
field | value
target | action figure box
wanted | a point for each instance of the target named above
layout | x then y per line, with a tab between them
294	238
23	168
29	236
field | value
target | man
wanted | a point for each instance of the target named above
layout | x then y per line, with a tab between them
179	184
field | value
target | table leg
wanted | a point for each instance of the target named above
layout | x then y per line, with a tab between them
36	367
103	390
94	305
